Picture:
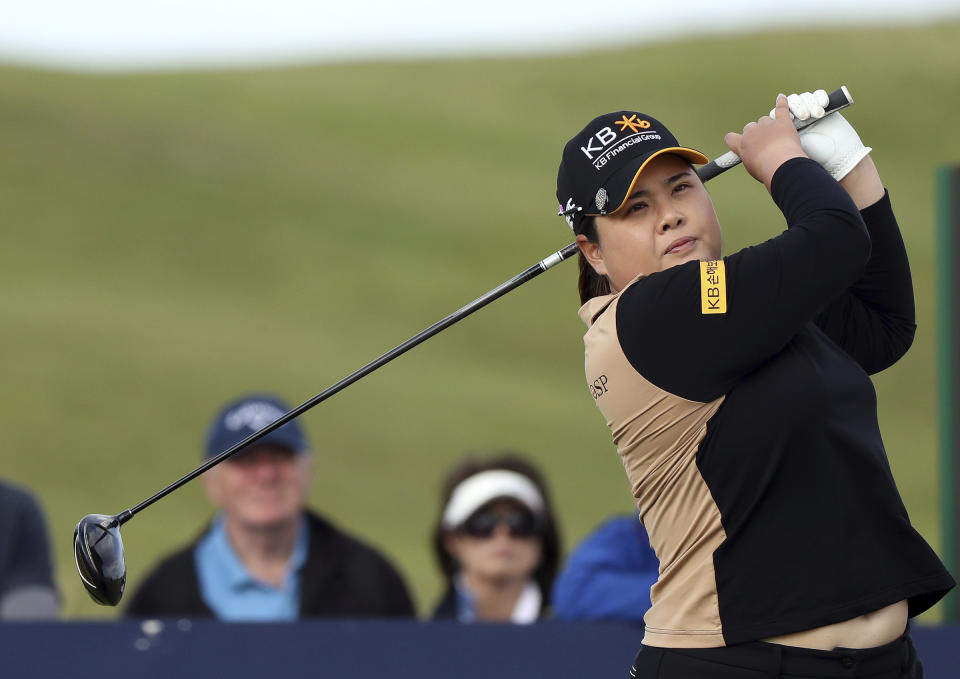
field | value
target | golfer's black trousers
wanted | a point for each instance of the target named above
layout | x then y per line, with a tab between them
760	660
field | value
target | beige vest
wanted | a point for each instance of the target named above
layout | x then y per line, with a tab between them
657	435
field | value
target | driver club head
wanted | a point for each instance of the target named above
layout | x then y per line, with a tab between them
98	551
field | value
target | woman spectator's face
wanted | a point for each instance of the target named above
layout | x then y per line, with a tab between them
499	542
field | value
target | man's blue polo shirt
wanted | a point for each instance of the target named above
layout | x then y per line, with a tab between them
232	593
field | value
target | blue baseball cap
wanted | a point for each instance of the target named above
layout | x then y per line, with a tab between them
249	414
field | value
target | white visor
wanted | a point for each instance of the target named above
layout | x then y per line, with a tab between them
481	488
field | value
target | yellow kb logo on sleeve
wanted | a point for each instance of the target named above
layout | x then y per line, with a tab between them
713	287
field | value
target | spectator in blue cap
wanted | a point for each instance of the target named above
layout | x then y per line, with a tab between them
265	556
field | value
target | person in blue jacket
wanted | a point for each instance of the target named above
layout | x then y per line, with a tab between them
609	574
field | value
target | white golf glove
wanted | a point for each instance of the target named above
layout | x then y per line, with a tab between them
831	141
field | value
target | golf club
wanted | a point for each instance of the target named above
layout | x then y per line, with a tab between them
97	546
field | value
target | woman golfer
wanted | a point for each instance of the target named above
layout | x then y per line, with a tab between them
737	392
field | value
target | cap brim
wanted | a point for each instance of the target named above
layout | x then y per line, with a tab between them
278	437
620	186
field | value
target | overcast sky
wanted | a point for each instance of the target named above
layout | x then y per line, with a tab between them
134	34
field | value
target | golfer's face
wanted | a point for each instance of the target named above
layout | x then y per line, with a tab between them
667	220
262	487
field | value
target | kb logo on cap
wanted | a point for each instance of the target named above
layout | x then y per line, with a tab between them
607	136
635	124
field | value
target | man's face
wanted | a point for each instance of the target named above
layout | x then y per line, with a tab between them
261	488
668	219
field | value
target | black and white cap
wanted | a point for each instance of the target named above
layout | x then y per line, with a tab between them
601	164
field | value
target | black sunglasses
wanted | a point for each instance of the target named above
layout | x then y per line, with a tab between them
482	524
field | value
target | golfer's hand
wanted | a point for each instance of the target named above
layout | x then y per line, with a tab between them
767	144
806	105
832	142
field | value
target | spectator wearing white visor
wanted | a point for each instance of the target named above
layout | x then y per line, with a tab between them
496	542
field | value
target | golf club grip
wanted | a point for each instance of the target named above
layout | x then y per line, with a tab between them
838	99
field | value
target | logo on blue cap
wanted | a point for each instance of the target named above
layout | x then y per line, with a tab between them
248	415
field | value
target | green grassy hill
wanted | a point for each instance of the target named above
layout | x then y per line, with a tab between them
170	240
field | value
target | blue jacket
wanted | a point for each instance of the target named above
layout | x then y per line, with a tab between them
609	574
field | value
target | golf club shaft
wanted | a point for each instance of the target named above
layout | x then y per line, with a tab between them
838	99
420	337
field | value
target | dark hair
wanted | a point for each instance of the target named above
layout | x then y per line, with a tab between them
470	465
590	284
